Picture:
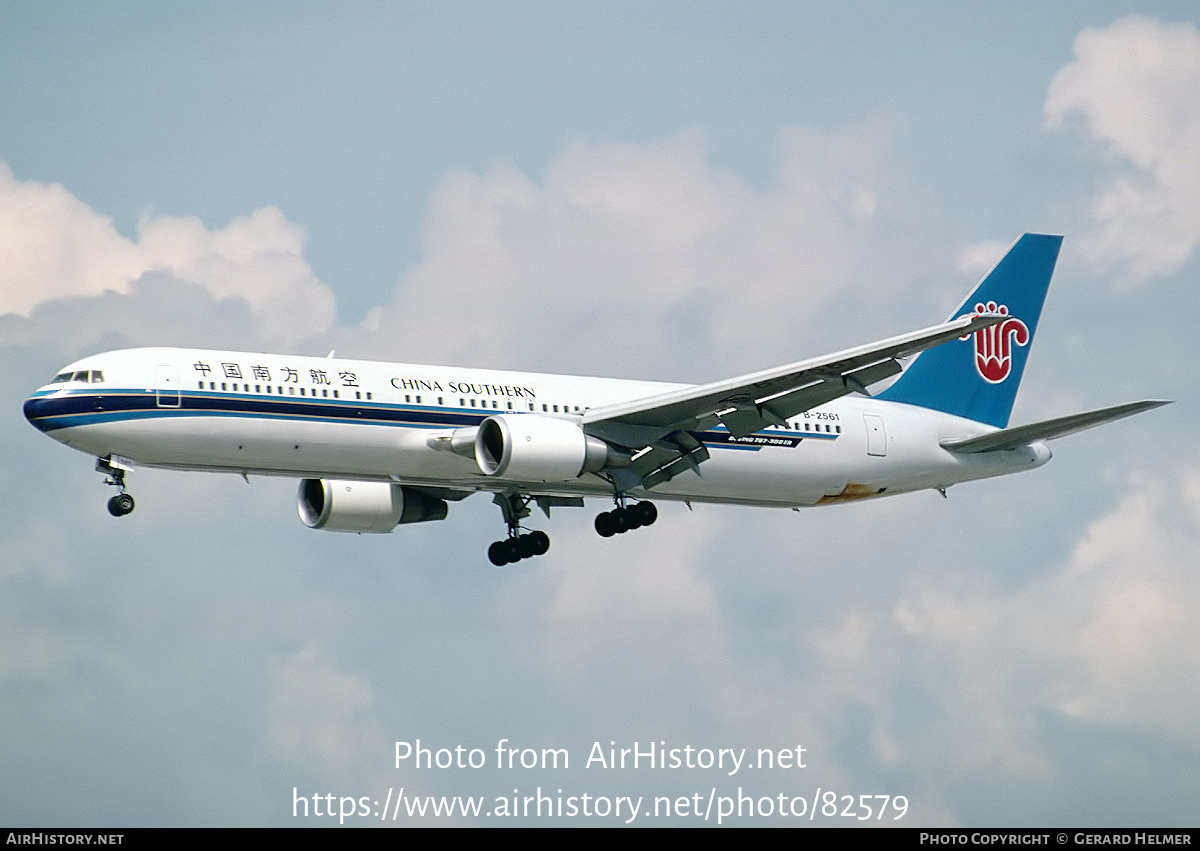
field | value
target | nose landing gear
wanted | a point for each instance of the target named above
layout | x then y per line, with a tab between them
122	503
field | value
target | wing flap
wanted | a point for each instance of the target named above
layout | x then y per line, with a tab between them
667	458
1011	438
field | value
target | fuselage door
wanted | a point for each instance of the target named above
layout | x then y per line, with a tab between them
876	435
167	383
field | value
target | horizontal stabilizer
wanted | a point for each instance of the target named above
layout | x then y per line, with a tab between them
1011	438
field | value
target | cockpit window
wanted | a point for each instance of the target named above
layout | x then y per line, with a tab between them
87	376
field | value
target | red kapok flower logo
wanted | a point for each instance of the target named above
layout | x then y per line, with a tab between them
993	345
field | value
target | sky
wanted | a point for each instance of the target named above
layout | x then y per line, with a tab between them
672	191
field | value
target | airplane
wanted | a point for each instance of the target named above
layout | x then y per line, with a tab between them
380	445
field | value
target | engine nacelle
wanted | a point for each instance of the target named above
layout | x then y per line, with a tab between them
533	448
347	506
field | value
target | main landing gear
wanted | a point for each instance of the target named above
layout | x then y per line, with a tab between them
122	503
517	545
625	517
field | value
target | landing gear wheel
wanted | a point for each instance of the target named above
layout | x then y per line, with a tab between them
646	512
120	505
497	554
605	527
519	547
624	518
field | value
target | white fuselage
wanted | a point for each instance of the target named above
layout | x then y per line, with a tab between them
286	415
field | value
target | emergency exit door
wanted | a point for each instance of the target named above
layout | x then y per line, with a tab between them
876	435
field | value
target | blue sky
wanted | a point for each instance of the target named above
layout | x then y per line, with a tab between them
672	191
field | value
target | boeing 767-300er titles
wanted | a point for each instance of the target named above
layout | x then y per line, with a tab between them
379	444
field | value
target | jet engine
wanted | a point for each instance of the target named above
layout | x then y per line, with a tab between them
533	448
347	506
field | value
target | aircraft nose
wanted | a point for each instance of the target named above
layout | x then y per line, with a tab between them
35	409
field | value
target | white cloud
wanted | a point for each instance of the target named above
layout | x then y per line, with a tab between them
1131	90
319	713
651	244
642	582
979	258
56	247
1104	640
1136	630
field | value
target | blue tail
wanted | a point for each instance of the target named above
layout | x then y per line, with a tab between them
977	377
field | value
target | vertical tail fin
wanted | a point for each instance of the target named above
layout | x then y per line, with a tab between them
977	376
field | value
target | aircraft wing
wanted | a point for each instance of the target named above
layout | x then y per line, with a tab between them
1011	438
658	429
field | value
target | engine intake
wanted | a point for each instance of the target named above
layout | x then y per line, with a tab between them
533	448
347	506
